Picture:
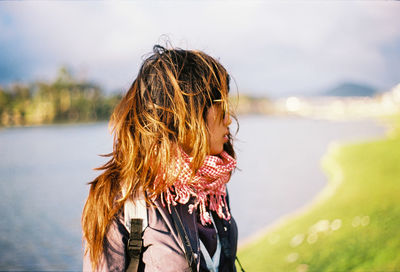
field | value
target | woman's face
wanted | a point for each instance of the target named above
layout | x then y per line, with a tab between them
217	128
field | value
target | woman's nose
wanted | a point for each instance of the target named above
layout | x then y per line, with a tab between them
227	119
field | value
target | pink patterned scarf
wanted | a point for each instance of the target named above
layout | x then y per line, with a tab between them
208	185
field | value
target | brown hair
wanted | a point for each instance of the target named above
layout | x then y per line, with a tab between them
165	108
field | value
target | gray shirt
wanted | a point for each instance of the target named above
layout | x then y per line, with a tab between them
162	247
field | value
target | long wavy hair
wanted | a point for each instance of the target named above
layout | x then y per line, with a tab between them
164	111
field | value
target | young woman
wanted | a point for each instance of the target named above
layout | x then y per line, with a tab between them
173	149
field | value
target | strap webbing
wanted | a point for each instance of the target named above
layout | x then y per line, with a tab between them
135	244
222	229
241	268
185	240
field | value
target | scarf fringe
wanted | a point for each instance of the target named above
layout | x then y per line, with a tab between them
208	187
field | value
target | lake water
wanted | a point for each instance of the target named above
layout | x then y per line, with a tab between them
44	171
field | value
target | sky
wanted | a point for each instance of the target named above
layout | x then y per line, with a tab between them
271	49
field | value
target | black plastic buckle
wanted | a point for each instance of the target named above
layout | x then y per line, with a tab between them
134	247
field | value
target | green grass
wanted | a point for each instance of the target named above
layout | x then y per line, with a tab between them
356	228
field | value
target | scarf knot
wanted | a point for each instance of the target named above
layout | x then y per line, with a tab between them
207	186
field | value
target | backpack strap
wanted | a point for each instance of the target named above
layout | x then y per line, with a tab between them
185	239
135	208
241	267
135	244
135	221
222	227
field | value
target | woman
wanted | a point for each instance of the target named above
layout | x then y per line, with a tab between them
172	147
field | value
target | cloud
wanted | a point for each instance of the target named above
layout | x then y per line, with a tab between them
273	47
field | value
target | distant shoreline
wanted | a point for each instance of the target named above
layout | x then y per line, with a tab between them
54	124
328	191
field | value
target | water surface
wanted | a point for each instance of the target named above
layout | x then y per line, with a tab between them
44	171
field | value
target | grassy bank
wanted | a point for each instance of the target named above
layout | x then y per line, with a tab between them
355	226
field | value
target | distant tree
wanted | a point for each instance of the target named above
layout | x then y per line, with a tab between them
65	99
